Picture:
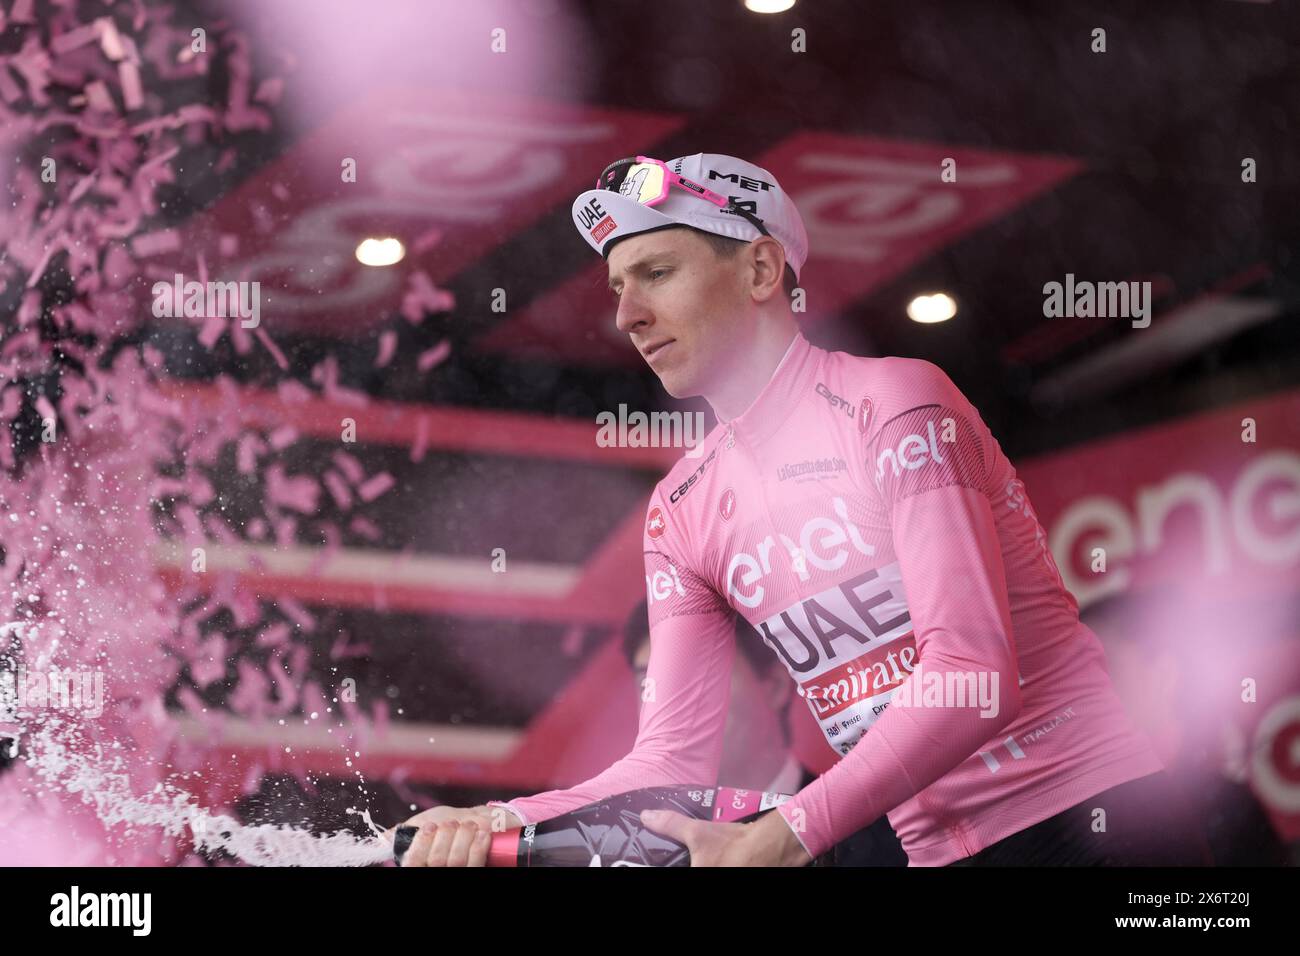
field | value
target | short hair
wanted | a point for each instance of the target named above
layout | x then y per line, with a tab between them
636	631
725	247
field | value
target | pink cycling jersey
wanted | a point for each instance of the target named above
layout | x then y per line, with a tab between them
864	520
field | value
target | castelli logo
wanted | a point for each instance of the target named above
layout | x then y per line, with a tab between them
727	506
864	414
655	524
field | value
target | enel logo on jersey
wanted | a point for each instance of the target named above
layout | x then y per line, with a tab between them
745	570
911	453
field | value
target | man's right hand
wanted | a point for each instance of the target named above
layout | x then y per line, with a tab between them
455	836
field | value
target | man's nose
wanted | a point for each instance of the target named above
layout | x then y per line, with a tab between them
632	313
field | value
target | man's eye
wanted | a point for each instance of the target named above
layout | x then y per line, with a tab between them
655	273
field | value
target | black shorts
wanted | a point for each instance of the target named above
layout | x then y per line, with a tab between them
1148	823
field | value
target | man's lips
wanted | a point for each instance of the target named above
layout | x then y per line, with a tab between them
655	347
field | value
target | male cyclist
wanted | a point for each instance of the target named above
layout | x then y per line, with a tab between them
860	515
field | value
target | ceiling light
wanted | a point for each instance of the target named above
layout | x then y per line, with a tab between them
380	252
932	308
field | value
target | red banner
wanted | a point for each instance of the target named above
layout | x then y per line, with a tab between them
872	207
448	173
1194	501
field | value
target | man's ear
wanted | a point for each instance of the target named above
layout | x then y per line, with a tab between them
767	260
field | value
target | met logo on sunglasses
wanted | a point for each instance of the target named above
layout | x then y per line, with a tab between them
594	213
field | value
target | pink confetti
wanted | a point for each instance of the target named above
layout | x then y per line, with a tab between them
298	492
117	265
422	297
387	348
434	356
98	98
33	64
103	223
297	613
9	90
240	339
30	309
421	444
221	532
273	635
132	91
365	528
38	271
338	490
286	531
249	447
282	437
110	41
152	244
271	347
285	686
211	332
81	188
269	90
252	693
426	240
244	606
252	778
341	648
376	486
210	666
349	465
193	528
72	39
295	393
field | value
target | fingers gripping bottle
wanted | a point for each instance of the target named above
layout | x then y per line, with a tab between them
610	833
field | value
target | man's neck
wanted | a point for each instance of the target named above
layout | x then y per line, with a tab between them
750	369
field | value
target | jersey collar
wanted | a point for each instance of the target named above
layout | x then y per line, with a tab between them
790	381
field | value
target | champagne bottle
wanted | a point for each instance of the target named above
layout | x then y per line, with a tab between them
609	832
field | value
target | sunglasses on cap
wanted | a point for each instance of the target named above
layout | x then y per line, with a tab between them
647	181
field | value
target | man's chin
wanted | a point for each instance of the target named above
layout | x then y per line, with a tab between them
677	386
678	379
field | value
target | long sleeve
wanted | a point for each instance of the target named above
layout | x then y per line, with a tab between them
684	697
952	569
951	565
